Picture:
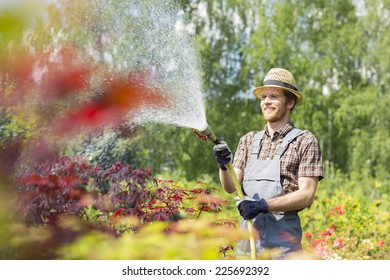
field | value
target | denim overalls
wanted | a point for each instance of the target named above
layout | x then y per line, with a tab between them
262	180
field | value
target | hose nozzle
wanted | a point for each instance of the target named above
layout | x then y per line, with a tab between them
207	134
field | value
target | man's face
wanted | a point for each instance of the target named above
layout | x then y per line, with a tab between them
273	105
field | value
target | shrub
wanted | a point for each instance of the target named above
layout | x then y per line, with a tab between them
53	188
77	204
343	227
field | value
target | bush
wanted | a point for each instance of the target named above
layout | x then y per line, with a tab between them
74	210
344	227
79	211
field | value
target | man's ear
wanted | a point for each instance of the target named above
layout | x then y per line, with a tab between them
291	103
291	100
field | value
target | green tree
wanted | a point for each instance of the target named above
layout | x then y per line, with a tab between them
337	51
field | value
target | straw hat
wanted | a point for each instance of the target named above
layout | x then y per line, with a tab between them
279	78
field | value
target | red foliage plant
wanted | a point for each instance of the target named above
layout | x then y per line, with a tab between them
51	189
65	185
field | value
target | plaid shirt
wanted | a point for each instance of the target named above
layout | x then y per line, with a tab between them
302	158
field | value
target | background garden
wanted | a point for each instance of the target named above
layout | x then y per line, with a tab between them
89	169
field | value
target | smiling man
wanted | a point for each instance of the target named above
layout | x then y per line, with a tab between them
279	168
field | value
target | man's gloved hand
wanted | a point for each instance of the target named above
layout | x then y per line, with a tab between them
250	208
222	154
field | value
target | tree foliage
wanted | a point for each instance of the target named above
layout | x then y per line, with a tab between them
337	53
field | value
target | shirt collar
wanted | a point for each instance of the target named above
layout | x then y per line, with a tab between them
282	131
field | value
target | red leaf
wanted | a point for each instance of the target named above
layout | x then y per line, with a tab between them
204	208
33	179
119	212
119	97
63	82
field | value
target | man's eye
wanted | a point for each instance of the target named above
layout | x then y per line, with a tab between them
272	97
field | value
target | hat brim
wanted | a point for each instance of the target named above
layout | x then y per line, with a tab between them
257	91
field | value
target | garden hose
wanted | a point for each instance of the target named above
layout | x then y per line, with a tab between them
208	134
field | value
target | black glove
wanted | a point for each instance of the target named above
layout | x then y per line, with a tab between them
222	154
249	209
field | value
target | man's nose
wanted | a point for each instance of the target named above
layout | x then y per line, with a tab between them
266	99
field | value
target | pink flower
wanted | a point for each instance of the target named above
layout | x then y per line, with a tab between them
329	231
308	234
381	243
318	246
338	243
318	242
337	210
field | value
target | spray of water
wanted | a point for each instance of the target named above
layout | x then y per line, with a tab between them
149	36
80	72
172	56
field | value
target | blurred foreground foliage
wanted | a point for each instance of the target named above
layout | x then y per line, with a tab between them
71	210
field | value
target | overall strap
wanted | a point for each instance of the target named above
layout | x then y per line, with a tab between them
257	144
294	133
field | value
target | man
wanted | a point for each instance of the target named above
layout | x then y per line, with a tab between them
279	168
